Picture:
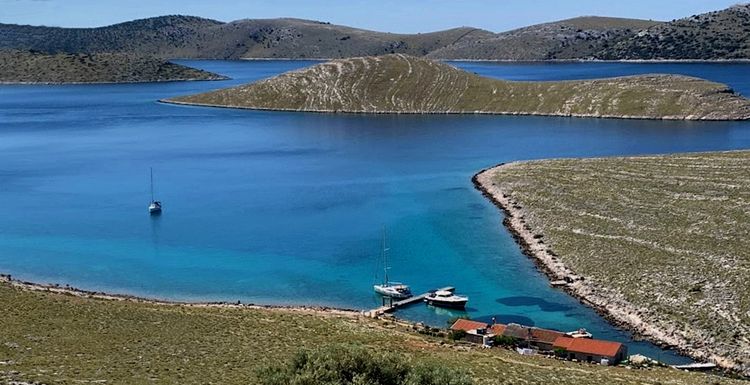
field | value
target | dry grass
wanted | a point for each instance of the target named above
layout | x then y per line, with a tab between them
406	84
667	234
62	339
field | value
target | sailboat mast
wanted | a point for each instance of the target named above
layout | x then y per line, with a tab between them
385	260
151	169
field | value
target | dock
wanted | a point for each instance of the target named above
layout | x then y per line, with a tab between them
393	306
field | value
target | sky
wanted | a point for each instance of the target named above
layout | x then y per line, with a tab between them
404	16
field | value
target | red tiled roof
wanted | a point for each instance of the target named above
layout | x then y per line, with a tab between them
517	331
544	335
497	329
467	325
588	346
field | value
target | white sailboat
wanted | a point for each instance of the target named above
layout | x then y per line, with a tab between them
387	288
154	208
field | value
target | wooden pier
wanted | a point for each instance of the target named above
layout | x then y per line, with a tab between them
393	306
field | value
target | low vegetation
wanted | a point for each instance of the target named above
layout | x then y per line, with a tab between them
35	67
54	338
578	38
407	84
178	36
344	365
659	242
722	34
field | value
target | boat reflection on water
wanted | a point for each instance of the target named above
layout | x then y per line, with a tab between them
448	312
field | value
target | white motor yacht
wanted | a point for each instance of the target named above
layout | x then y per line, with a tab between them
445	298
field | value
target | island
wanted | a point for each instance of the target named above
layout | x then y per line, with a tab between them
402	84
658	244
29	67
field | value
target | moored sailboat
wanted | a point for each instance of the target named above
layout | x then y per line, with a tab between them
387	288
154	208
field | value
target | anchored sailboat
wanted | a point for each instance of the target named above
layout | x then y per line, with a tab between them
387	288
154	208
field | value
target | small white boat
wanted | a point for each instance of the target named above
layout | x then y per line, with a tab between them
445	298
396	290
580	333
154	208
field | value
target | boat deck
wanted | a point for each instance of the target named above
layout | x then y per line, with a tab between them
404	302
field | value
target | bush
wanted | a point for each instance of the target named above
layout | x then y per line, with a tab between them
505	341
457	334
350	365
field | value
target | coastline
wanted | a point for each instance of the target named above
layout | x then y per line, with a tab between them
22	83
387	112
98	295
604	301
509	61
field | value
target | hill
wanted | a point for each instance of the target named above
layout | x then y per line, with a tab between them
193	37
405	84
577	38
34	67
716	35
659	243
69	338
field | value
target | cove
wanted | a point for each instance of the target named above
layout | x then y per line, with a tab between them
287	208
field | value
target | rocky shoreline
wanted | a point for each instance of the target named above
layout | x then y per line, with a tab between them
72	291
603	300
416	112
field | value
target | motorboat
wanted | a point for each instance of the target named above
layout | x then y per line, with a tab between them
580	333
445	298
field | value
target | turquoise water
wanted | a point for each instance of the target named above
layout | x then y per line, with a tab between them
287	208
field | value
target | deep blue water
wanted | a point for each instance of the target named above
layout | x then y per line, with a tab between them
287	208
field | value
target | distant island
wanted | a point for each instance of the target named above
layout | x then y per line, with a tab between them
407	84
719	35
26	67
656	243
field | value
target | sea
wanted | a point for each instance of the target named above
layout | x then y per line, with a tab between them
284	208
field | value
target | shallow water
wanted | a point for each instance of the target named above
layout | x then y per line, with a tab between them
288	208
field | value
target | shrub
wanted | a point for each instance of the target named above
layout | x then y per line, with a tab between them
505	341
457	334
351	365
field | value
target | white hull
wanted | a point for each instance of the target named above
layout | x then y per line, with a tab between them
447	299
394	291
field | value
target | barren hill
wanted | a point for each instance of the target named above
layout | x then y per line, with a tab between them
406	84
34	67
577	38
193	37
716	35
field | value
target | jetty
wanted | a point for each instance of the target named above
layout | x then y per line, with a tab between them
393	306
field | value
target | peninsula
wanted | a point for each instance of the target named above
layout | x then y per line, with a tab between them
26	67
658	244
406	84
